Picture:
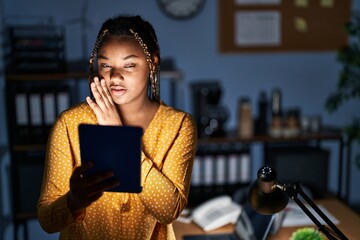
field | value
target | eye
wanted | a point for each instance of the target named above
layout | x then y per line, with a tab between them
129	65
104	65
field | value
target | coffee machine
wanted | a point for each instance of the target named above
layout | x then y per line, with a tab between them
208	113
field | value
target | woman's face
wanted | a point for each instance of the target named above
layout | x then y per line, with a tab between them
122	63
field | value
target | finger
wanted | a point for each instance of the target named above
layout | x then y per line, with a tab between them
80	170
85	193
84	200
95	86
90	189
102	88
99	177
90	199
102	186
107	96
94	106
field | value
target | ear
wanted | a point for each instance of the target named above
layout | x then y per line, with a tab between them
156	62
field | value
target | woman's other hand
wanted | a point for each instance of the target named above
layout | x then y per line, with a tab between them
84	190
103	106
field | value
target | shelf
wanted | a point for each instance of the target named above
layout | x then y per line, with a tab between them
28	147
76	75
231	137
267	141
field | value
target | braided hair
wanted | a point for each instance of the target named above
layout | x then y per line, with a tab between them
143	32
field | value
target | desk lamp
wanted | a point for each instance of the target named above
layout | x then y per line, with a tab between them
267	196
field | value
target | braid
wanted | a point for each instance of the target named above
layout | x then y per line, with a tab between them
148	27
152	46
94	52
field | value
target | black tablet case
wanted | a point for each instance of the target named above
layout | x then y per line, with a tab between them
116	148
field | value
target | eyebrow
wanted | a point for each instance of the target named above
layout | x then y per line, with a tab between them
125	58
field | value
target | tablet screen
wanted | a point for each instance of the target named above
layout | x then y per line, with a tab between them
115	148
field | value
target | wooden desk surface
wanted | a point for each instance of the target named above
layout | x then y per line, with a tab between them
349	223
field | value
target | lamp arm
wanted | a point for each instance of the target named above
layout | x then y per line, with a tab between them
292	190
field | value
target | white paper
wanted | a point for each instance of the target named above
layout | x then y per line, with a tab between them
295	216
257	28
258	2
21	109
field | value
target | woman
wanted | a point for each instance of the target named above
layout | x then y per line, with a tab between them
128	59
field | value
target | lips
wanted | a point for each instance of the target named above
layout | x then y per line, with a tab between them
117	90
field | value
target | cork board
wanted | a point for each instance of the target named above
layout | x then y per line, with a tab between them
282	25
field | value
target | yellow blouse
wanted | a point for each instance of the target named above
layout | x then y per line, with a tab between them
167	158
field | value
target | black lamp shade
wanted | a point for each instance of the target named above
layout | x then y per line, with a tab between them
267	203
267	199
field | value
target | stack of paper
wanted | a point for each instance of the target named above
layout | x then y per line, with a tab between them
295	216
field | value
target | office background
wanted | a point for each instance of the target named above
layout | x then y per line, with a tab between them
305	78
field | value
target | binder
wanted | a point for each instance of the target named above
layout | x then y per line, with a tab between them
49	108
21	109
220	169
209	164
63	101
245	168
232	169
196	172
22	131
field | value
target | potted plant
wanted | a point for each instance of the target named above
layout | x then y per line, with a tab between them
307	233
348	86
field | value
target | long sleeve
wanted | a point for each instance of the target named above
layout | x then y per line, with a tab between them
168	153
62	156
167	175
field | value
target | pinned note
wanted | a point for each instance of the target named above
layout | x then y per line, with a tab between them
300	24
301	3
327	3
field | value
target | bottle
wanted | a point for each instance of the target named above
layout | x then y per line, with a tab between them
276	102
262	119
245	124
276	113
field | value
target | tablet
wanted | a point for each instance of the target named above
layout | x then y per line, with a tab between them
115	148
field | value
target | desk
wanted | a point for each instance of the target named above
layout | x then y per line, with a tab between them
349	223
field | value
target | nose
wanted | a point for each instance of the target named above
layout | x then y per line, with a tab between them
116	74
